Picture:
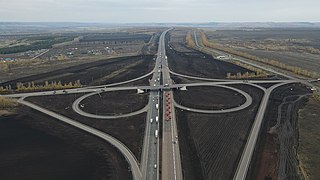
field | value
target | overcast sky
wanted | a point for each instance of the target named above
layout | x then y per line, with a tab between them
140	11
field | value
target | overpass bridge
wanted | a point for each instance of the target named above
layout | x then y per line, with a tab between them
161	87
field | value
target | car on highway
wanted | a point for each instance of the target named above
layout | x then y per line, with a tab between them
156	133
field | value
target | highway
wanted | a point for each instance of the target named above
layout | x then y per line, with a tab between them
229	80
199	78
149	167
150	156
171	161
133	162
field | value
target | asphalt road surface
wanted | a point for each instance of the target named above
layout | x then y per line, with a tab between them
171	161
150	155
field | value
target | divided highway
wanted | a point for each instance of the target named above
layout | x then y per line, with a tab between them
149	167
171	161
150	155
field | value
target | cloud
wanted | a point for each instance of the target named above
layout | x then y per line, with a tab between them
159	10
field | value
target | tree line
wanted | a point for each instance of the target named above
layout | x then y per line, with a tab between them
42	44
31	86
189	40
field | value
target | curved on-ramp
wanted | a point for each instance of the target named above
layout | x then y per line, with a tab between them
120	83
243	106
77	109
199	78
133	162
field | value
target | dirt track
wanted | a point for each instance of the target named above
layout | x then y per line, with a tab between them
268	152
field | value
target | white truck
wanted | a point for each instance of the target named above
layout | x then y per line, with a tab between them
156	133
157	119
157	106
151	120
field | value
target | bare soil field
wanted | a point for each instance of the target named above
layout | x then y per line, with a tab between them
296	47
267	155
209	98
198	64
96	73
211	144
309	142
35	146
129	130
117	102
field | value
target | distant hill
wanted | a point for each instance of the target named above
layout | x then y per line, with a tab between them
262	25
33	27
